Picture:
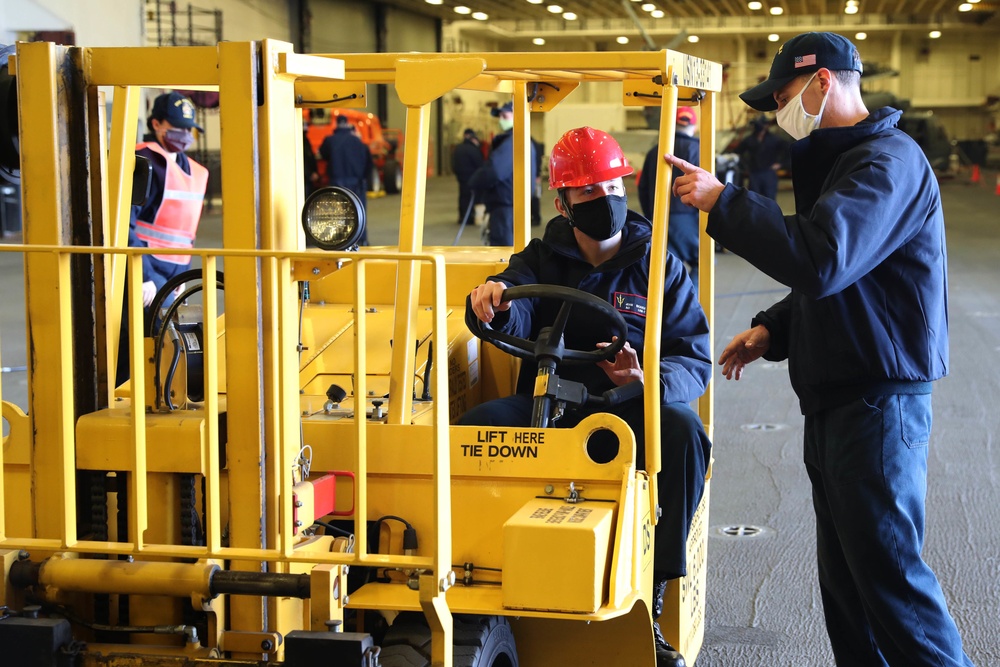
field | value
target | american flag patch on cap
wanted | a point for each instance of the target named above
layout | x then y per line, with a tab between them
805	61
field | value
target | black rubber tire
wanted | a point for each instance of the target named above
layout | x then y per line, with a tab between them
392	177
480	641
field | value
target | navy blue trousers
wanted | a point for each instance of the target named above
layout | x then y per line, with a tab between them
501	232
684	454
867	461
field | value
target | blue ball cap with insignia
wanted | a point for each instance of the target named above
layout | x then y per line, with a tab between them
803	54
176	110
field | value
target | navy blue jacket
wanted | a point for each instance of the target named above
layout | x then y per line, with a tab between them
686	148
466	159
495	179
759	153
685	365
348	160
864	256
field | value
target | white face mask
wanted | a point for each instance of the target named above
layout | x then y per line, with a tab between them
506	124
793	117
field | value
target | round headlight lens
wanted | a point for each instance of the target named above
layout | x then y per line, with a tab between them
333	218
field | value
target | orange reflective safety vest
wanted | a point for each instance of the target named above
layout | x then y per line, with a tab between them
176	221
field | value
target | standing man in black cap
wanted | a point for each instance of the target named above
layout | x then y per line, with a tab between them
865	333
465	160
762	154
348	162
495	179
170	215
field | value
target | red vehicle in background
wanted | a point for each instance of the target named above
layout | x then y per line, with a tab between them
384	144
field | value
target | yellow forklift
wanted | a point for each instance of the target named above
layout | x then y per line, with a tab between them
279	482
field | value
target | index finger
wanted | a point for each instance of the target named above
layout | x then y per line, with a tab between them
683	165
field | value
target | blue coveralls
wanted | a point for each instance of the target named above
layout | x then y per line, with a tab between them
685	366
865	332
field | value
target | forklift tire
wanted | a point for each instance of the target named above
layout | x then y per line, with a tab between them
480	641
392	177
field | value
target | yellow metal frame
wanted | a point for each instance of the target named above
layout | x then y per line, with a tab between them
262	253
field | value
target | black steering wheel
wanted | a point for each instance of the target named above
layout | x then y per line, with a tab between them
550	339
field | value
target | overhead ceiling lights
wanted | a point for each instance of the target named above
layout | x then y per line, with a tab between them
538	41
693	39
851	7
462	9
434	2
773	37
555	9
648	7
754	6
536	2
480	16
657	14
934	34
965	7
861	36
622	39
776	11
569	16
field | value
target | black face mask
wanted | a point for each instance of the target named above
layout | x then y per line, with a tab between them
600	218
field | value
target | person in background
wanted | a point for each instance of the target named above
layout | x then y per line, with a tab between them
536	187
465	160
597	245
495	179
682	230
762	154
865	332
310	166
170	215
348	162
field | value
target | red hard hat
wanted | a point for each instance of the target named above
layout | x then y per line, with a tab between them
585	156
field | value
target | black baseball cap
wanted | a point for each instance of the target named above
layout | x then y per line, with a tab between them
176	110
803	54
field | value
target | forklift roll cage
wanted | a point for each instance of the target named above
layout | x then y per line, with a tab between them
264	389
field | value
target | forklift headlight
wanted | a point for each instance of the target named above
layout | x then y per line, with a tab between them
333	218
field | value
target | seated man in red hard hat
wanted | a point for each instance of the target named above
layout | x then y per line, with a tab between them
597	245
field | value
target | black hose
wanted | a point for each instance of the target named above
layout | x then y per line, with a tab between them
233	582
169	381
171	311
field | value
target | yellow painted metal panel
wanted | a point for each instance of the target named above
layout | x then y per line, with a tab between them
555	555
411	231
176	441
299	65
241	229
154	66
121	164
522	184
339	94
213	522
418	83
50	387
